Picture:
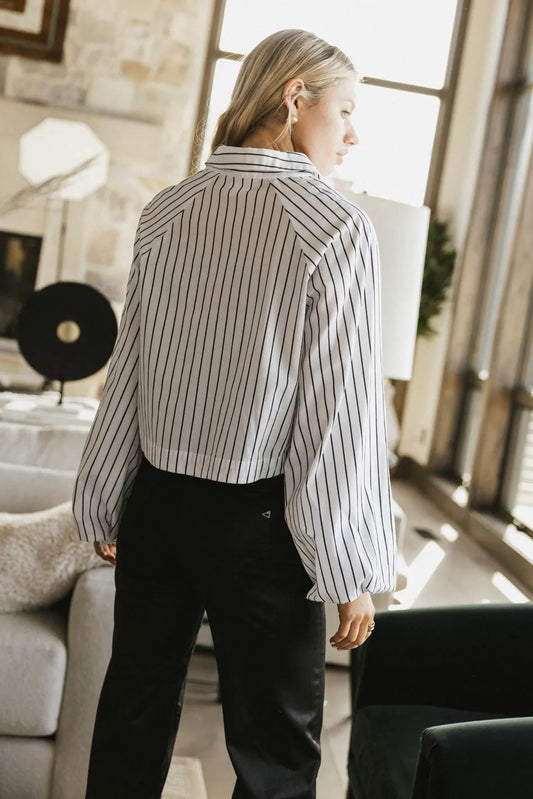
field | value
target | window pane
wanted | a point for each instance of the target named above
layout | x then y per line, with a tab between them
396	131
466	447
512	192
527	378
404	41
517	490
528	71
223	82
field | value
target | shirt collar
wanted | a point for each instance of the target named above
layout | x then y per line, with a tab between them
260	161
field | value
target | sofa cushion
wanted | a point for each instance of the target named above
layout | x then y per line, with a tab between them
39	559
385	743
50	447
33	656
29	488
90	638
27	767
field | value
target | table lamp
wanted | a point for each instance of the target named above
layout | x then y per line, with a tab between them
402	232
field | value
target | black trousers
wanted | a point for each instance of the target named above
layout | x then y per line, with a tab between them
186	544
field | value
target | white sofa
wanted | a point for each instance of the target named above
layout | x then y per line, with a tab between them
52	665
52	660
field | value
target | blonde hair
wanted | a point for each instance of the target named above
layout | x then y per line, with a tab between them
258	92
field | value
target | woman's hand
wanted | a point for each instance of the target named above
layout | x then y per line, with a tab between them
354	620
107	552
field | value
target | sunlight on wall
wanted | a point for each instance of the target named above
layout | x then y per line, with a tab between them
519	541
449	532
460	496
507	588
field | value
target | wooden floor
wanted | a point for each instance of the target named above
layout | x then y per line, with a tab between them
446	567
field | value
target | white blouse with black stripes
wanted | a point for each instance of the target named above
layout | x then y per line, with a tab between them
250	346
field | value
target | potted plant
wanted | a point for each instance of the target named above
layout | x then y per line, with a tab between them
438	270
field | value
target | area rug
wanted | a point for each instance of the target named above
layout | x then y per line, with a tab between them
185	779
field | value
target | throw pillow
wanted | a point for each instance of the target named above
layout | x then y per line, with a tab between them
39	559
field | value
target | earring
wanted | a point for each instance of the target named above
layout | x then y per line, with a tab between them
294	119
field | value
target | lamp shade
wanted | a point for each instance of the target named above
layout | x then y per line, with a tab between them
56	147
402	232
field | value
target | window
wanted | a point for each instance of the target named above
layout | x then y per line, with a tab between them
517	494
517	491
518	162
484	428
403	52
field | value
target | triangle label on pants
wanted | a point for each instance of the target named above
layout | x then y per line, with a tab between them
266	513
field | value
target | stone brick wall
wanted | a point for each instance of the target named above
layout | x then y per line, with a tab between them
138	64
141	59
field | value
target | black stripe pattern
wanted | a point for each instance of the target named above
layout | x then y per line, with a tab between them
250	346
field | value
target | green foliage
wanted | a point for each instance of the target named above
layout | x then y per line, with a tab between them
438	270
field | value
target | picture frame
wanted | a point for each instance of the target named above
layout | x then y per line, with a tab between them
19	265
33	28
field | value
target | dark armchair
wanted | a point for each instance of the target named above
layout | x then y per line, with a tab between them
442	705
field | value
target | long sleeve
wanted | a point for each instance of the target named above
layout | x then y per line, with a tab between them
112	454
338	500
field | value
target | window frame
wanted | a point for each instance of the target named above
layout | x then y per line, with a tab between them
445	94
500	389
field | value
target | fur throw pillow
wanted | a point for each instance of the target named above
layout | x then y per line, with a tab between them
39	559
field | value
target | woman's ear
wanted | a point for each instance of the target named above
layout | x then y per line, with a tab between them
294	87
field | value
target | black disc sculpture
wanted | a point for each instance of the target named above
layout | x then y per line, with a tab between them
66	331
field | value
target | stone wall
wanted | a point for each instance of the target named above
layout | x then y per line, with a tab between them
132	70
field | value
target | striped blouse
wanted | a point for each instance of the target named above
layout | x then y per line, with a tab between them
250	346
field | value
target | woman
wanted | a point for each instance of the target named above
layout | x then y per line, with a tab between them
238	460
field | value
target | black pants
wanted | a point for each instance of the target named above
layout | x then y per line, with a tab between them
185	544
